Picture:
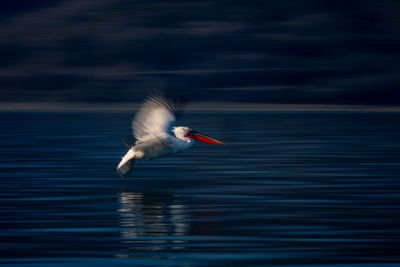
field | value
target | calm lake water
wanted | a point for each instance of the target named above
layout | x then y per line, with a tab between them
307	189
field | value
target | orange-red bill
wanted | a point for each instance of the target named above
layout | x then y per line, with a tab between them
203	138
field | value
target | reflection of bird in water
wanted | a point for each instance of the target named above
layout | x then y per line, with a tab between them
145	224
154	139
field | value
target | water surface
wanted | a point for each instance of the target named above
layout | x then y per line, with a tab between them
289	189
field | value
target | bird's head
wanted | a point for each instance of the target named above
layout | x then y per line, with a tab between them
183	133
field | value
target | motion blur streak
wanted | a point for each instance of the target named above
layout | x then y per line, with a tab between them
287	51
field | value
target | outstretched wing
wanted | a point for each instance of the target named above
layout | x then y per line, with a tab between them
154	119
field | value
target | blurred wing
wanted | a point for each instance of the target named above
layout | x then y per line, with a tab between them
154	119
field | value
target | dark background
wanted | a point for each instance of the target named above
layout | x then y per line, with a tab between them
328	52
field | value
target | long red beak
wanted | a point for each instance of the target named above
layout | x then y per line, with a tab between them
203	138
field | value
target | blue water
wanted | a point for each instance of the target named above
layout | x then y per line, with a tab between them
289	189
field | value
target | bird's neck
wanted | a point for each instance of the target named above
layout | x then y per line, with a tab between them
183	143
183	138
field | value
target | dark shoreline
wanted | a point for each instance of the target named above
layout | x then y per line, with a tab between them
209	106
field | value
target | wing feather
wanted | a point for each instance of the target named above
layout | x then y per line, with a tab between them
154	119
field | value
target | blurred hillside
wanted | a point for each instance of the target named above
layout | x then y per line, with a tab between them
333	52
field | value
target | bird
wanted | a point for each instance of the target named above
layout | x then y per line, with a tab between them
156	136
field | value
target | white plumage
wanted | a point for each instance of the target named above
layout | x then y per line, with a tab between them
154	119
152	128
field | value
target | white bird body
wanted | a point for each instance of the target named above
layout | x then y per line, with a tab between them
155	148
152	129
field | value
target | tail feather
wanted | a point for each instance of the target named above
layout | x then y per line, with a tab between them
125	166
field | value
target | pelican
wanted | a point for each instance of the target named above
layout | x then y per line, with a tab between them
155	136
